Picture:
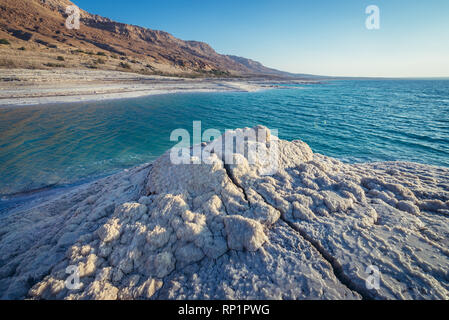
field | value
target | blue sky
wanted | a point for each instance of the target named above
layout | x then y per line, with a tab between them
325	37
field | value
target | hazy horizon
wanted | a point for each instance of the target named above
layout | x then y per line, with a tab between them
321	38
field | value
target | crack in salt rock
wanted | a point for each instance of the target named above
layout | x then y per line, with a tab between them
336	267
236	183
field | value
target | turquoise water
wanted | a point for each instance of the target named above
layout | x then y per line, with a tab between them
356	121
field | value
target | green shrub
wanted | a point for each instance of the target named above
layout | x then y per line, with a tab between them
22	49
4	41
101	54
60	58
54	65
124	65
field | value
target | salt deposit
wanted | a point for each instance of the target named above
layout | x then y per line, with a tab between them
221	231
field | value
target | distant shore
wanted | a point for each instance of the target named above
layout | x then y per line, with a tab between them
22	87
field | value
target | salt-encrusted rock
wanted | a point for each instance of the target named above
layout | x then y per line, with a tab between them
164	263
89	267
131	210
282	223
244	233
158	237
336	203
101	291
147	289
109	231
189	253
408	206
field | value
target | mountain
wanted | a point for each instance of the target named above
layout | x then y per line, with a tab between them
258	68
37	29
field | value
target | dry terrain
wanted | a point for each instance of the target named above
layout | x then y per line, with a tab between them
33	35
20	87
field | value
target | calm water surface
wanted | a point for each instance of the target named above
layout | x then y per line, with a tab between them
355	121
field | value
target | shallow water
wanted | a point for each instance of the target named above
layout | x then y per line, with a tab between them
356	121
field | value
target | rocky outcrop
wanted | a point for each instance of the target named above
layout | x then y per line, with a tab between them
209	229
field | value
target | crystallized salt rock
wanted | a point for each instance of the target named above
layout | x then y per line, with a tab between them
164	263
148	289
335	203
131	210
196	231
110	231
189	254
408	206
158	237
243	233
101	291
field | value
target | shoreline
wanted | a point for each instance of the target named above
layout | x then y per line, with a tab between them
25	200
23	87
29	199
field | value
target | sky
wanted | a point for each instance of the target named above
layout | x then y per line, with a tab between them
323	37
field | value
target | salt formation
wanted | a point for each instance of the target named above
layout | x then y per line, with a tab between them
225	231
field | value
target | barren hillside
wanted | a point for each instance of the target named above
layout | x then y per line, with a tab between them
34	36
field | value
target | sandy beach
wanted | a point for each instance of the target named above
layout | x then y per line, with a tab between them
19	87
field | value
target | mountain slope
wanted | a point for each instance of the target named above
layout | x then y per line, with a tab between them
39	26
258	68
